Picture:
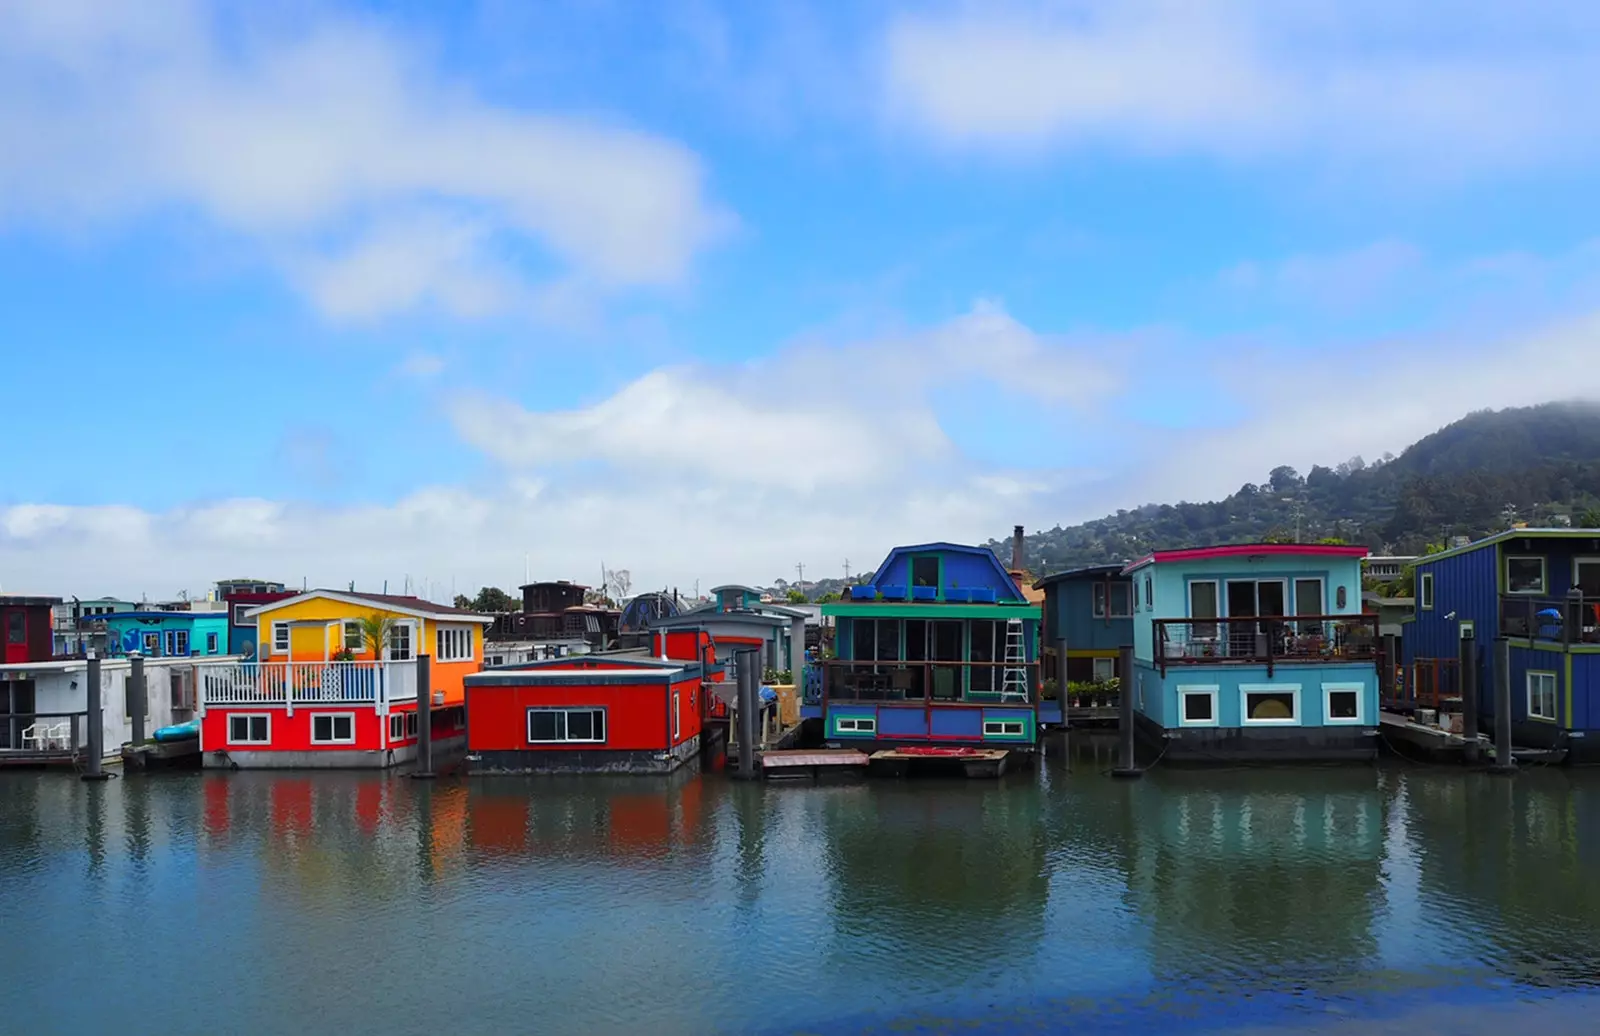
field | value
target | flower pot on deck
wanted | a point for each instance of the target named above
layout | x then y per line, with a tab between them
892	593
924	593
957	593
983	595
863	593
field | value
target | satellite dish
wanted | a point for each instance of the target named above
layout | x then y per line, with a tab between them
130	641
247	648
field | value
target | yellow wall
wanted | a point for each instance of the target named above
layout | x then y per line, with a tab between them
316	643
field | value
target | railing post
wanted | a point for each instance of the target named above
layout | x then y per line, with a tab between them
1572	617
94	766
424	770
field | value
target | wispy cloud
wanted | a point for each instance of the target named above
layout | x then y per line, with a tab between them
1335	280
1360	80
378	182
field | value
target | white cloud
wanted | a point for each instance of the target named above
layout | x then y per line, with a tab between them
1361	80
421	366
376	181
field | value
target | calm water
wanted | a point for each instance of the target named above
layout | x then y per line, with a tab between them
1326	900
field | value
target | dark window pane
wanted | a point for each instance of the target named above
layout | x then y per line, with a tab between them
1197	708
16	628
343	728
580	726
542	726
1342	705
925	571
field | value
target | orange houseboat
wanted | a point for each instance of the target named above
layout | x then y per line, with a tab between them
625	713
321	694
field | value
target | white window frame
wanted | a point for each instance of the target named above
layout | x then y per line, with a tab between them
411	642
238	615
352	629
856	725
1466	628
171	640
150	641
1110	665
1004	728
1555	688
412	726
288	643
1216	602
211	643
677	722
1111	600
459	642
1099	600
397	719
330	717
1425	591
1329	690
1544	574
1247	689
267	716
565	738
1209	690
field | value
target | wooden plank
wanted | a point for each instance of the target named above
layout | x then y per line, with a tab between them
818	757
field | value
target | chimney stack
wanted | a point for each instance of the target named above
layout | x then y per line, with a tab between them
1016	548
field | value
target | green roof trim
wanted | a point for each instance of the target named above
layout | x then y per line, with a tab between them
925	610
1511	534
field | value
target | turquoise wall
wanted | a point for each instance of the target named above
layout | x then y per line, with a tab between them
196	624
1163	589
1157	696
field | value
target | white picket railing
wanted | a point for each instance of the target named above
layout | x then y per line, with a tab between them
279	683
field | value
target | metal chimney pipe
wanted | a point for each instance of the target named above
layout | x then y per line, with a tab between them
1016	548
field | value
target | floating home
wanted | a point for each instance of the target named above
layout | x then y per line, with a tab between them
1089	612
319	695
242	596
44	706
1254	652
1539	589
167	634
942	649
599	713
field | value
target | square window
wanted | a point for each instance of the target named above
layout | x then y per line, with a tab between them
238	615
1525	575
249	729
355	637
925	570
411	724
397	727
1104	669
1197	706
280	638
1271	704
1342	703
580	726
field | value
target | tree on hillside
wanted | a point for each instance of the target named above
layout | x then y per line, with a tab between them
796	597
461	601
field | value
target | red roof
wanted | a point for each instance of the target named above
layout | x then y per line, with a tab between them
1235	550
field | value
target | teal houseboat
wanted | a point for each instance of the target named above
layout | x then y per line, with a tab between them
1254	652
941	649
162	634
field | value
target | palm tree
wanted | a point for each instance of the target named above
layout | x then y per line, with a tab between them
376	630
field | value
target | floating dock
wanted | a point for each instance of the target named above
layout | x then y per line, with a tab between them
1436	745
811	762
971	762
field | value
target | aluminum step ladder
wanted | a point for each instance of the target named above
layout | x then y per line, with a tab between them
1014	682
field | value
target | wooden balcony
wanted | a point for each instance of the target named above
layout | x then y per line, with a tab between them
1570	620
1266	640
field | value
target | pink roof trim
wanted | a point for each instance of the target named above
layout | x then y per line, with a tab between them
1234	550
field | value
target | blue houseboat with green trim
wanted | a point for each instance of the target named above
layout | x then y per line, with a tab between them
941	649
1254	652
1538	591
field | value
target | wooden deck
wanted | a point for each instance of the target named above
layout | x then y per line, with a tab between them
811	762
972	762
1441	746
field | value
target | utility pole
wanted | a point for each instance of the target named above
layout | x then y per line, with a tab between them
847	570
800	574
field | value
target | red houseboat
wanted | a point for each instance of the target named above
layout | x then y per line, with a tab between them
585	714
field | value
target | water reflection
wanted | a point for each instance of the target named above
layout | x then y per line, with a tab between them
339	901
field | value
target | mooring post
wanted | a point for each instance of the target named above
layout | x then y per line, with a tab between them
1125	691
137	701
1467	663
1504	763
749	703
94	766
424	770
1391	660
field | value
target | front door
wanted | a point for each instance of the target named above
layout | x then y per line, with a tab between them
14	636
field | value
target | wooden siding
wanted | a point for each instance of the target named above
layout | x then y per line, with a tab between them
1069	613
1467	584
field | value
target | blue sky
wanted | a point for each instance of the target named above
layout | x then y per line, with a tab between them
345	291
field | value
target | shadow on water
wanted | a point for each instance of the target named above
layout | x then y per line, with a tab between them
1330	899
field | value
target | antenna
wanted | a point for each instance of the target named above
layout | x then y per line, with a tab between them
800	573
847	570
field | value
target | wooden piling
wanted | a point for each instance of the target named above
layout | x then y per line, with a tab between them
94	765
1504	763
1126	767
1467	656
424	770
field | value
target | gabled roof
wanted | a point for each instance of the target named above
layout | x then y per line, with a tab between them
397	603
1082	572
1511	534
955	548
1238	550
735	586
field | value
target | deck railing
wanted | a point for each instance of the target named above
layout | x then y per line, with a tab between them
283	683
1266	640
1573	619
934	683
